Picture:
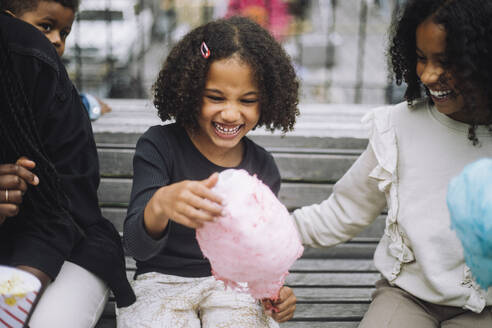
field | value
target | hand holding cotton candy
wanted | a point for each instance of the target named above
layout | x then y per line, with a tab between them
470	205
255	241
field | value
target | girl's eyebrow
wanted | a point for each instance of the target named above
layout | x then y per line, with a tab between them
221	93
441	54
251	93
213	90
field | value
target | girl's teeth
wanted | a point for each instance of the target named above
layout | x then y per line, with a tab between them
227	130
440	94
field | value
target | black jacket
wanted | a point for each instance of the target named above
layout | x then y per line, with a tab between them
65	130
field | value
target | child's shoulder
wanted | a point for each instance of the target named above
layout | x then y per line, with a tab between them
25	39
388	116
162	134
161	130
254	149
259	160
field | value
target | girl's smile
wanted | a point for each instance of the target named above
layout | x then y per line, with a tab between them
230	109
432	69
226	131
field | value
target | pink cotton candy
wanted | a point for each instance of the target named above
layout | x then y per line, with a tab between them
255	241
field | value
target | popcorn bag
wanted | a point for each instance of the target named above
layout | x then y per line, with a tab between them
18	291
253	245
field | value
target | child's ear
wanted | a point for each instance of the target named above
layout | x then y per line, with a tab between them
9	13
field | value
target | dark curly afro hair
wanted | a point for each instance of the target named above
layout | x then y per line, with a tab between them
468	26
178	91
18	7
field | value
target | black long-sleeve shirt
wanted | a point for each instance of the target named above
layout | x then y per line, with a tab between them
65	131
165	155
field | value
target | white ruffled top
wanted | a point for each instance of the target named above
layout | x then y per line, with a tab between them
411	157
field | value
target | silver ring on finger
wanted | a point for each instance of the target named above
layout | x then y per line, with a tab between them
6	195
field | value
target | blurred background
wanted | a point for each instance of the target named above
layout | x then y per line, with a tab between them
338	47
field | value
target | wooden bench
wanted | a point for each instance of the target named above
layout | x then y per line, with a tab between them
333	286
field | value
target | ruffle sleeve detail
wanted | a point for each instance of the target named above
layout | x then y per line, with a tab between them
477	300
382	139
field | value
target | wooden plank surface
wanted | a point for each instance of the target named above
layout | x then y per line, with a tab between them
109	322
318	120
333	285
116	192
314	324
305	311
326	166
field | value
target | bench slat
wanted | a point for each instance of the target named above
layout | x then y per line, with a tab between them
309	265
292	166
304	312
117	215
330	312
332	279
293	195
111	323
129	139
312	324
331	294
335	280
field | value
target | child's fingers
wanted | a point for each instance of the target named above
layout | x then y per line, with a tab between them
285	305
11	196
267	305
211	181
184	220
28	165
14	171
204	199
195	215
26	162
8	210
284	315
286	299
205	209
11	183
204	189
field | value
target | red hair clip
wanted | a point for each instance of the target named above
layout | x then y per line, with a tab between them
204	50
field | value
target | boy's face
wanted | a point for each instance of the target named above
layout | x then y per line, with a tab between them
54	20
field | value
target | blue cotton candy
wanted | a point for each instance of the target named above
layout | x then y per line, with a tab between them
469	201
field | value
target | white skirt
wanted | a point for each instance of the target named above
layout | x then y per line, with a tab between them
181	302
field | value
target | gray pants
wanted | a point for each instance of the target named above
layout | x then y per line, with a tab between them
392	307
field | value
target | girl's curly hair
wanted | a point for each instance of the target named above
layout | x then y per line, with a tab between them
18	7
179	88
468	49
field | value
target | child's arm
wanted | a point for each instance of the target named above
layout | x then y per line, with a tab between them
154	188
355	202
283	308
190	203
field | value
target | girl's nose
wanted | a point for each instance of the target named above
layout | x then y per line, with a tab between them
231	113
431	74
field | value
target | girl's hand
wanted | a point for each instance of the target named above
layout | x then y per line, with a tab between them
283	308
14	180
190	203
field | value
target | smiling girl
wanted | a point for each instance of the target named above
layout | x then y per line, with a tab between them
441	49
222	80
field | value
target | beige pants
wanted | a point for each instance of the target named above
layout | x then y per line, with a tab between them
392	307
75	299
179	302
